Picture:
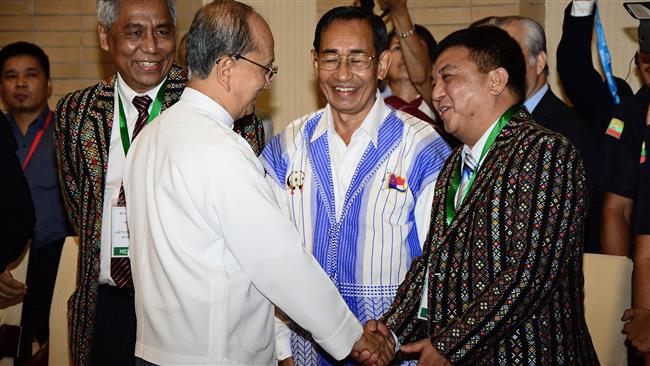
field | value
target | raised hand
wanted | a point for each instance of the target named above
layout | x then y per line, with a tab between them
428	354
376	346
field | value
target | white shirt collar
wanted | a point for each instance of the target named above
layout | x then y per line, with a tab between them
208	105
532	102
369	126
127	94
476	151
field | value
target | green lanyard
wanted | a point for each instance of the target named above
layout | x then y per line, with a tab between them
450	206
155	111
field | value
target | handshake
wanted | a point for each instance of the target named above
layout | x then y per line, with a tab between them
376	347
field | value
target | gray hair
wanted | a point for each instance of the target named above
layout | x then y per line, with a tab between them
219	29
534	35
107	11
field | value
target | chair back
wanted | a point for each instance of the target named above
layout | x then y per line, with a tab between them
608	292
64	286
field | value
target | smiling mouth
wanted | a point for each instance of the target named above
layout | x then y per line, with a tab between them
442	110
148	64
344	89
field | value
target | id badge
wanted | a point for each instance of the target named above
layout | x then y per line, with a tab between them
119	232
423	311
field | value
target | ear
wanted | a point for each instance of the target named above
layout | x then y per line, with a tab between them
102	31
49	88
222	72
497	80
383	63
540	62
314	60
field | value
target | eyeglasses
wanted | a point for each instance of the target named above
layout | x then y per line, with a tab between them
355	61
270	71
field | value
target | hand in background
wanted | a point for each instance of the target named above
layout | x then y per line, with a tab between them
286	362
428	354
392	4
10	289
637	329
376	346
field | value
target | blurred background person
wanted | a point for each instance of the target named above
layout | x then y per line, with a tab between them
26	85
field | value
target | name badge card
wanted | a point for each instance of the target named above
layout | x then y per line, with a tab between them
119	232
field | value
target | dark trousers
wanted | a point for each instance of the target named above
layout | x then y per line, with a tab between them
41	274
114	335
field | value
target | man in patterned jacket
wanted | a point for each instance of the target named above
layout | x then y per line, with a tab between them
500	280
356	177
140	38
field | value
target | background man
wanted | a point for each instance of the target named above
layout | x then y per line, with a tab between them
25	85
93	132
549	111
214	252
500	279
637	327
356	177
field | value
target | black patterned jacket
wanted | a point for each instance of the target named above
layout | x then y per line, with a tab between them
505	276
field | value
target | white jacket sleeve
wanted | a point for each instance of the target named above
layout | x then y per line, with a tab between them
267	247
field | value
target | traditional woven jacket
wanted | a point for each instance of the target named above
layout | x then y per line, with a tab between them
83	130
505	284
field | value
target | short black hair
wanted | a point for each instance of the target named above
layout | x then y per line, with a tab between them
424	35
25	49
490	48
379	32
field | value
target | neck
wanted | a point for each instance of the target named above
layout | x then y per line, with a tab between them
539	83
346	124
486	121
205	86
404	89
24	119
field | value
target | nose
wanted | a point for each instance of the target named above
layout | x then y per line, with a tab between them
148	44
438	92
21	80
344	72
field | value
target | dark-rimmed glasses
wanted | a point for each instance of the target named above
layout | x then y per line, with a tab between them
270	71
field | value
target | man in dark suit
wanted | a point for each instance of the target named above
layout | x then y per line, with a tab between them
500	279
93	132
18	204
549	111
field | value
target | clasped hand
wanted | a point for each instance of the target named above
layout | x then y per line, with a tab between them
376	346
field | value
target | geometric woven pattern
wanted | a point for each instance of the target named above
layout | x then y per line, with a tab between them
505	276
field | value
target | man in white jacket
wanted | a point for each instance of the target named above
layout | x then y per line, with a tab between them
211	250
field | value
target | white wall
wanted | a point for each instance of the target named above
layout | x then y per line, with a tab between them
293	93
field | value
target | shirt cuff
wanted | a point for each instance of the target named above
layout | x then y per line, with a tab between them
340	344
397	344
582	8
282	340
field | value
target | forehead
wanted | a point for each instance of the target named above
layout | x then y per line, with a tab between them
138	12
347	35
454	58
262	35
22	62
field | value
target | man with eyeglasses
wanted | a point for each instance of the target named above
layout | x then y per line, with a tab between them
215	253
356	177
